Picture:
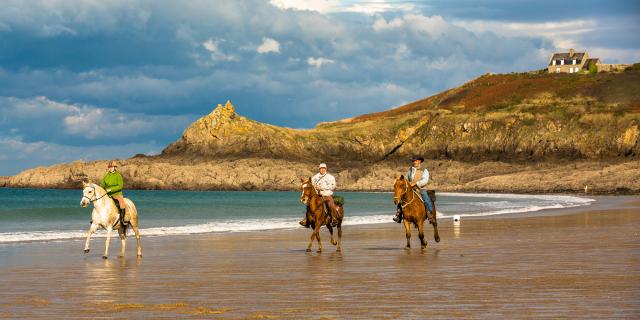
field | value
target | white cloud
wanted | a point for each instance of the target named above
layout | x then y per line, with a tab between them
210	45
39	115
18	155
308	5
318	62
433	25
213	46
370	7
269	45
563	34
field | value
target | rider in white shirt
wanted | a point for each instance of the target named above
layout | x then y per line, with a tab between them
324	183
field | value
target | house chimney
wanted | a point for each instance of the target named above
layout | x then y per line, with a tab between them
571	52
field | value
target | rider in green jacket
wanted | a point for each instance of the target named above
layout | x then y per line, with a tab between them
113	184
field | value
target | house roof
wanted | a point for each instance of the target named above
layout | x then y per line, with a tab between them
565	56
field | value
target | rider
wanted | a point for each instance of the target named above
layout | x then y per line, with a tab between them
418	180
113	184
324	183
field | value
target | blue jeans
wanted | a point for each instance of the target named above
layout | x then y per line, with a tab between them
427	200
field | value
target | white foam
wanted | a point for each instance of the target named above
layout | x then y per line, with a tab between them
245	225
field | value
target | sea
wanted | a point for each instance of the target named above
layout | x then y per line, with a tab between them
42	215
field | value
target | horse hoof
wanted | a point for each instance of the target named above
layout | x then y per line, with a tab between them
319	251
308	250
338	250
86	250
105	257
334	242
140	255
437	238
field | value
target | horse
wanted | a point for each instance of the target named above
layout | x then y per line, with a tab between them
105	215
317	217
413	210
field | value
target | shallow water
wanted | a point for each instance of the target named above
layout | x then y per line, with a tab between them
45	214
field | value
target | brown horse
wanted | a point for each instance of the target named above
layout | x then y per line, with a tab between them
413	210
317	217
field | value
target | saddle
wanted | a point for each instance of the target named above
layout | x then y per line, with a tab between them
121	213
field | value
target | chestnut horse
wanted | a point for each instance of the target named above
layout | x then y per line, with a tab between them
317	217
413	210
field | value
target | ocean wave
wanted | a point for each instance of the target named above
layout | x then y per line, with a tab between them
247	225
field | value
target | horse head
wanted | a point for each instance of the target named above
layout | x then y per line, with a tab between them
400	188
307	191
88	194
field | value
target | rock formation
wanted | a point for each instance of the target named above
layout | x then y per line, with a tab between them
531	132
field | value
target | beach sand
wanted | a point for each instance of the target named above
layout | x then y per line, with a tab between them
578	263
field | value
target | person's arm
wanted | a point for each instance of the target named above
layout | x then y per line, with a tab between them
103	183
424	179
331	183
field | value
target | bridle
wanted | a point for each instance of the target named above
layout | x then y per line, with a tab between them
399	198
94	194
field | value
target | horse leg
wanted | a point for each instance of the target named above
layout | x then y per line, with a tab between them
423	243
136	231
407	232
313	236
106	245
123	239
339	249
433	220
92	230
317	232
333	242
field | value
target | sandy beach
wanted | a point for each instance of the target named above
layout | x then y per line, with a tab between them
573	263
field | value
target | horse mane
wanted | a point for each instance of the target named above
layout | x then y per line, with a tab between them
98	188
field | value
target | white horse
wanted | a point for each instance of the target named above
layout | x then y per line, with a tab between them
105	215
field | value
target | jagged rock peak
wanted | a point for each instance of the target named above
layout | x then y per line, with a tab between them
228	110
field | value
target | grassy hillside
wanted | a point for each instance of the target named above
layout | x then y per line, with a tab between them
513	117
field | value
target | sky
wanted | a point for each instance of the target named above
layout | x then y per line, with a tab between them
87	80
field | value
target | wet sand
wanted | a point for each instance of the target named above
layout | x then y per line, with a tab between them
578	263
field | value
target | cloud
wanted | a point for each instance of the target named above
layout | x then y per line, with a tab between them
269	45
318	62
371	7
210	45
42	119
18	155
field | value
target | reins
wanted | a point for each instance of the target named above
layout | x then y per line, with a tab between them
413	196
94	195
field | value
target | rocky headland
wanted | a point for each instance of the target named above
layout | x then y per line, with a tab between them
527	132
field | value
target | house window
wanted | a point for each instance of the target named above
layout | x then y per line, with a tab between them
562	62
553	62
574	61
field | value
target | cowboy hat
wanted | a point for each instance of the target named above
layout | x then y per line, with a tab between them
322	165
112	163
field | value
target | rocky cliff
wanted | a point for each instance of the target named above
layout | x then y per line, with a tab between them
531	132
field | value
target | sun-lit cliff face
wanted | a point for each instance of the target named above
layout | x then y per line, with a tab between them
528	132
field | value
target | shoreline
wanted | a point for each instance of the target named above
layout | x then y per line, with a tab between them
600	203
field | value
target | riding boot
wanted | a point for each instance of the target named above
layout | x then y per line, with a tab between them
398	217
122	217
